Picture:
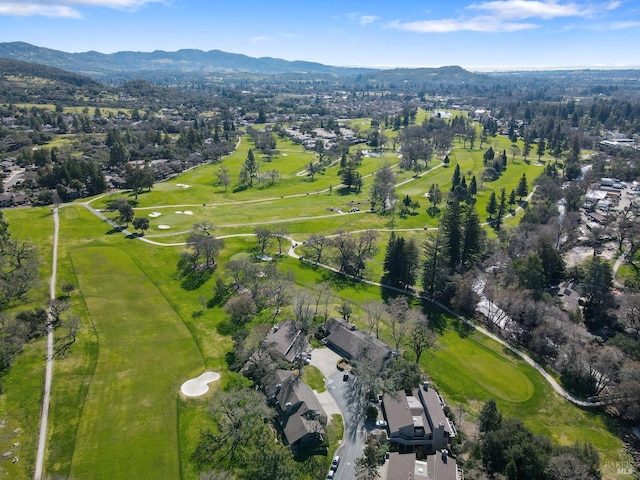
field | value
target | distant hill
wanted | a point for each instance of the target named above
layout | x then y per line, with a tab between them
18	67
99	65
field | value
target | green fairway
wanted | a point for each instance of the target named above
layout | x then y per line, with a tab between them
128	427
470	370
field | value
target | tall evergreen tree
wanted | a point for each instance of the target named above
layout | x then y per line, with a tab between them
455	179
434	267
492	204
451	225
473	238
473	186
523	189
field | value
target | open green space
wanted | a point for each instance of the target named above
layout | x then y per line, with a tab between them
128	427
116	411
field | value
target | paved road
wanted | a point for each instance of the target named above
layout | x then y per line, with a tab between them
46	397
354	432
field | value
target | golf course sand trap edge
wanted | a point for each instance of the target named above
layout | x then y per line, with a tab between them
199	385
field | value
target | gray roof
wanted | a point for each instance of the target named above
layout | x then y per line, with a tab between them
405	466
434	408
286	338
354	343
296	427
403	411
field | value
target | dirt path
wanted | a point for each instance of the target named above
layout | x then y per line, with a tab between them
48	377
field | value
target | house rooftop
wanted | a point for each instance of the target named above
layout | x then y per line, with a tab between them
286	338
405	466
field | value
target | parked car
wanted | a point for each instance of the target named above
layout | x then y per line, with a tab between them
335	462
345	376
330	474
381	424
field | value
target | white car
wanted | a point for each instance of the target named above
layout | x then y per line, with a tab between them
335	463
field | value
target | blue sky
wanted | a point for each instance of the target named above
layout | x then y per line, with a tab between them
477	35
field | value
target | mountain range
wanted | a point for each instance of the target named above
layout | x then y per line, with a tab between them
191	63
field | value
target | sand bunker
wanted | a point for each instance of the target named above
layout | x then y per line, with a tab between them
155	214
187	212
183	185
164	227
178	212
200	385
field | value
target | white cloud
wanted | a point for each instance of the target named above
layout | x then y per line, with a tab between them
520	9
260	39
367	19
65	8
447	25
506	16
624	25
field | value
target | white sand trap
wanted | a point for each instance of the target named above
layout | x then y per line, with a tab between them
183	185
187	212
155	214
164	227
285	155
178	212
200	385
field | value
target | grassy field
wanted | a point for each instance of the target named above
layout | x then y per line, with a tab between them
472	369
128	427
116	411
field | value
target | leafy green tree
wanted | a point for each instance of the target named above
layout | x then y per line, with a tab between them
141	223
125	211
19	265
435	195
118	154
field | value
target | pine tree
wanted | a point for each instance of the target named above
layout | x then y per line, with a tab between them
492	205
502	207
473	186
523	189
455	179
512	197
451	225
434	268
473	238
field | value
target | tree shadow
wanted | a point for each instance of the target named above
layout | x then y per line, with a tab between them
194	280
437	319
433	211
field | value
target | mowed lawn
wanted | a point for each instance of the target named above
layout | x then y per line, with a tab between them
128	427
470	370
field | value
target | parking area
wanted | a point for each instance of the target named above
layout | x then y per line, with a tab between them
325	360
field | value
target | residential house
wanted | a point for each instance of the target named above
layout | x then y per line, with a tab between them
417	422
438	466
301	418
287	340
346	340
11	199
